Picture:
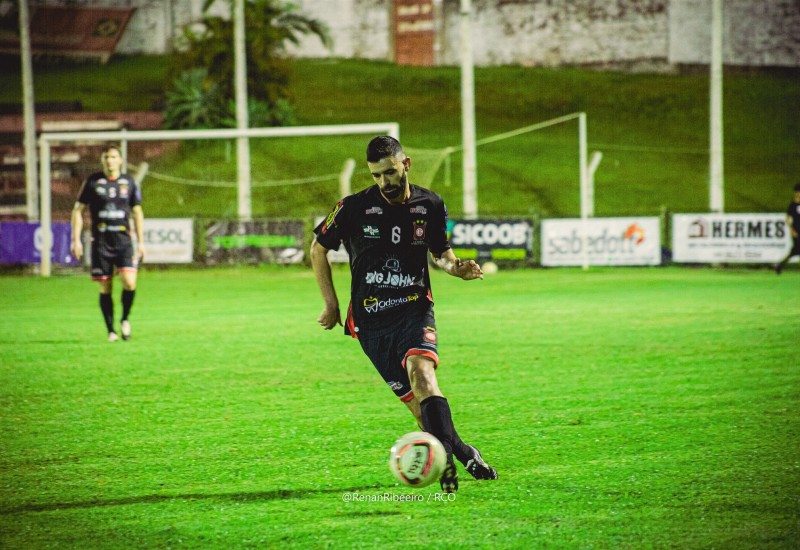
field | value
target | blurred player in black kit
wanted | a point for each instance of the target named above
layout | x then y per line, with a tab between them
113	198
388	230
793	223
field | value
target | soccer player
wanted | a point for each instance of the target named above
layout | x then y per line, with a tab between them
793	223
112	197
388	230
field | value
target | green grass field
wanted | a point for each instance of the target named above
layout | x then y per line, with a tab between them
623	408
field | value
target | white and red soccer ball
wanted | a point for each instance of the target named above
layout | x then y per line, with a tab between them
417	459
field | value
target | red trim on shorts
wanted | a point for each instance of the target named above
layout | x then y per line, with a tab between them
101	278
424	353
127	269
350	322
407	397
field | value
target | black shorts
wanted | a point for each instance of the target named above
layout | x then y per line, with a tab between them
415	335
109	253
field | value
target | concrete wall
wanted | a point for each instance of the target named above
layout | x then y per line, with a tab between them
532	32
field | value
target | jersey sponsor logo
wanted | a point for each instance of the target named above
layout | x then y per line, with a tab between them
375	305
123	191
374	210
371	232
111	214
391	276
429	334
395	385
102	181
101	191
419	210
331	219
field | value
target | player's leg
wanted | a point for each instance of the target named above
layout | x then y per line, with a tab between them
102	273
127	276
795	251
107	306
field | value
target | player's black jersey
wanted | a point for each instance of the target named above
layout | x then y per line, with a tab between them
388	246
110	204
793	211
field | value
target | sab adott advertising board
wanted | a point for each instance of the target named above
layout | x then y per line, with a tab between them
601	241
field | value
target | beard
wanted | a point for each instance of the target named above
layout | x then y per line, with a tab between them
394	191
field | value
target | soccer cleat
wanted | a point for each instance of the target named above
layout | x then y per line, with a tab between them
449	479
112	337
125	327
478	468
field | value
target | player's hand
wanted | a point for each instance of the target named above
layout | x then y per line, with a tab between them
77	250
467	270
329	318
140	252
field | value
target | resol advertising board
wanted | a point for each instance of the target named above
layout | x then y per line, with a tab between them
168	240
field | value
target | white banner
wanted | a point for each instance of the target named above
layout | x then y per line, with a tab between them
168	240
606	241
729	238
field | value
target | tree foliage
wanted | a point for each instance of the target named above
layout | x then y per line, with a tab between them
270	25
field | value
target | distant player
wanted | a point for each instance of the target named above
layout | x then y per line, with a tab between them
388	230
112	197
793	223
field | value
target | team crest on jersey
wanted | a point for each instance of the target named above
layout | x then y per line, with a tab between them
419	210
374	210
123	190
419	230
331	219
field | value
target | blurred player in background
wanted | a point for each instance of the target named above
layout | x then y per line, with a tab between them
388	230
793	222
112	197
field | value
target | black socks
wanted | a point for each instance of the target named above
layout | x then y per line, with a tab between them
437	419
127	303
107	307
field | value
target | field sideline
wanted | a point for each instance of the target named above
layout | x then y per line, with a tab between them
623	408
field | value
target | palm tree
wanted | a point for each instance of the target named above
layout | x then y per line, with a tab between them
269	26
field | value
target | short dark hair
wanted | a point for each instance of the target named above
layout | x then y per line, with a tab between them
109	146
381	147
797	186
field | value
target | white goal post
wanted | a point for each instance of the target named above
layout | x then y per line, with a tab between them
46	139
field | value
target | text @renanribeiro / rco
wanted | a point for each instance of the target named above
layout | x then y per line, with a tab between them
354	496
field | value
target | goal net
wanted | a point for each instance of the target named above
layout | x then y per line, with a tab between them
197	170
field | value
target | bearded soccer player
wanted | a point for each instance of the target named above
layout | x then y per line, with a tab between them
112	197
388	230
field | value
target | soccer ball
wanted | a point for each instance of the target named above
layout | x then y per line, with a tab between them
489	268
417	459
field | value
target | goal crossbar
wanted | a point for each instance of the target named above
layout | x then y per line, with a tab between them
47	139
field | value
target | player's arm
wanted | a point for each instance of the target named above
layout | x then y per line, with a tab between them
330	315
448	262
76	223
138	220
790	226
